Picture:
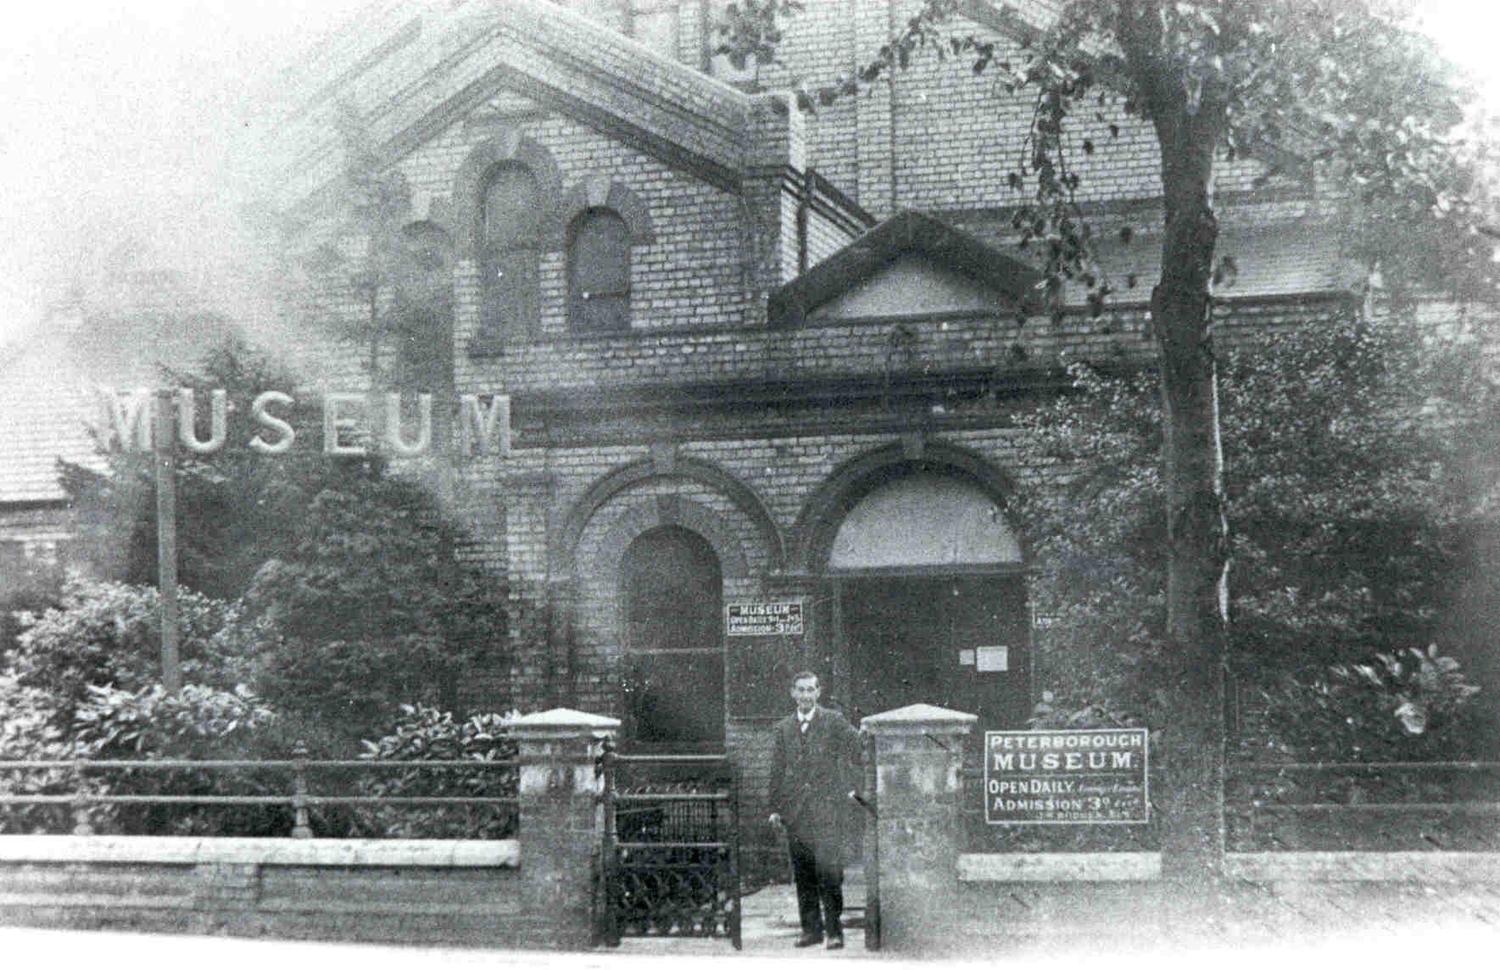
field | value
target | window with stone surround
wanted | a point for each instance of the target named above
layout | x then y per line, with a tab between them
599	272
510	240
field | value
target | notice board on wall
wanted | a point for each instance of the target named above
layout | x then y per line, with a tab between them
766	618
1082	777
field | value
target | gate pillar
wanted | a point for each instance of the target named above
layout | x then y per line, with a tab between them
560	817
918	754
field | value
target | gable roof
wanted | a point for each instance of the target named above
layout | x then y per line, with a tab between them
909	232
450	62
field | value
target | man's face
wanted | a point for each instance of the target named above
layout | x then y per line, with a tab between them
806	692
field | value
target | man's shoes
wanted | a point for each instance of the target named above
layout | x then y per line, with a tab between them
809	939
835	942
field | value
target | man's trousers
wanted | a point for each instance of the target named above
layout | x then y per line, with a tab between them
820	888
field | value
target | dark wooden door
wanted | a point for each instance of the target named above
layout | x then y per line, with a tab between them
672	679
960	642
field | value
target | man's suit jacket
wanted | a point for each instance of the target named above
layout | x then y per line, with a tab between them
812	774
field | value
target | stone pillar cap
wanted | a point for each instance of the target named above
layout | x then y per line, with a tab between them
918	718
564	722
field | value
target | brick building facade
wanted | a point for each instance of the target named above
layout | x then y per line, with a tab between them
755	355
796	377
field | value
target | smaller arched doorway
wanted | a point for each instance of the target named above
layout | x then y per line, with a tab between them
930	599
672	677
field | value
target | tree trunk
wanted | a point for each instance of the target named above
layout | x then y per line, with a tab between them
1192	731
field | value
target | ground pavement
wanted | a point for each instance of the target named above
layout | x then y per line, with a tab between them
769	928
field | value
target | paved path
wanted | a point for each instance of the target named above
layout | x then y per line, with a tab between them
768	928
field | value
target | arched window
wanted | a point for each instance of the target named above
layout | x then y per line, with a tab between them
673	678
421	315
510	244
599	272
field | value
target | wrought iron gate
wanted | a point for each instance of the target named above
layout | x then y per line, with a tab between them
670	858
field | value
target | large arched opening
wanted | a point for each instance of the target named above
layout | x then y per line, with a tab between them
929	597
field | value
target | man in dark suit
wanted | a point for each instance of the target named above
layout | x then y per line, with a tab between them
814	767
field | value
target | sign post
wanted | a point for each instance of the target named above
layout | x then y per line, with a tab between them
164	442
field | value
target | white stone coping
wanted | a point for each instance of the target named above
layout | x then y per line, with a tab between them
561	722
919	719
1059	867
435	853
1428	867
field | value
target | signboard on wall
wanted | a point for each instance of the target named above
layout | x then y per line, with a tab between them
772	618
1095	776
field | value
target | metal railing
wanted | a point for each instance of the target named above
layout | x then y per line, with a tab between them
671	848
298	796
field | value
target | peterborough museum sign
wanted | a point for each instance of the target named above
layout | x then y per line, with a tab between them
1065	777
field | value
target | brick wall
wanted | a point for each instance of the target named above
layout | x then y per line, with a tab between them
233	888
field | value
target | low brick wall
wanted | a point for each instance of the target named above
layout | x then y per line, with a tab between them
421	891
535	891
935	899
1071	902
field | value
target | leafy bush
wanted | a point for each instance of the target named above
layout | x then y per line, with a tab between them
427	734
1045	716
107	634
147	724
197	723
29	732
1406	706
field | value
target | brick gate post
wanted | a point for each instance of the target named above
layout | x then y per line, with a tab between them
918	753
560	816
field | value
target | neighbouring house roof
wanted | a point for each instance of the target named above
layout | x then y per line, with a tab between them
50	388
906	234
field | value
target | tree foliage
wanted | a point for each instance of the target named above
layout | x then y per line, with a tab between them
352	574
1351	479
107	635
372	269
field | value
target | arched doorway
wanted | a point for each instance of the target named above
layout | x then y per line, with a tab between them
672	602
930	599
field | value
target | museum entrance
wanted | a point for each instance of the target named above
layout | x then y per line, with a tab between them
929	601
957	641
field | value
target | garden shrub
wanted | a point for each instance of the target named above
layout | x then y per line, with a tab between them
426	734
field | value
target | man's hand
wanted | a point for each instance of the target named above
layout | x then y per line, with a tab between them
776	819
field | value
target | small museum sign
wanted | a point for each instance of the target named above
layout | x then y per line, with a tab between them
1065	777
775	618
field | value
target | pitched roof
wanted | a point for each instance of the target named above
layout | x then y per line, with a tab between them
50	389
909	232
449	62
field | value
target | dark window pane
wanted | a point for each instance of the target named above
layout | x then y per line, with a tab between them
599	272
672	699
512	209
509	254
510	292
